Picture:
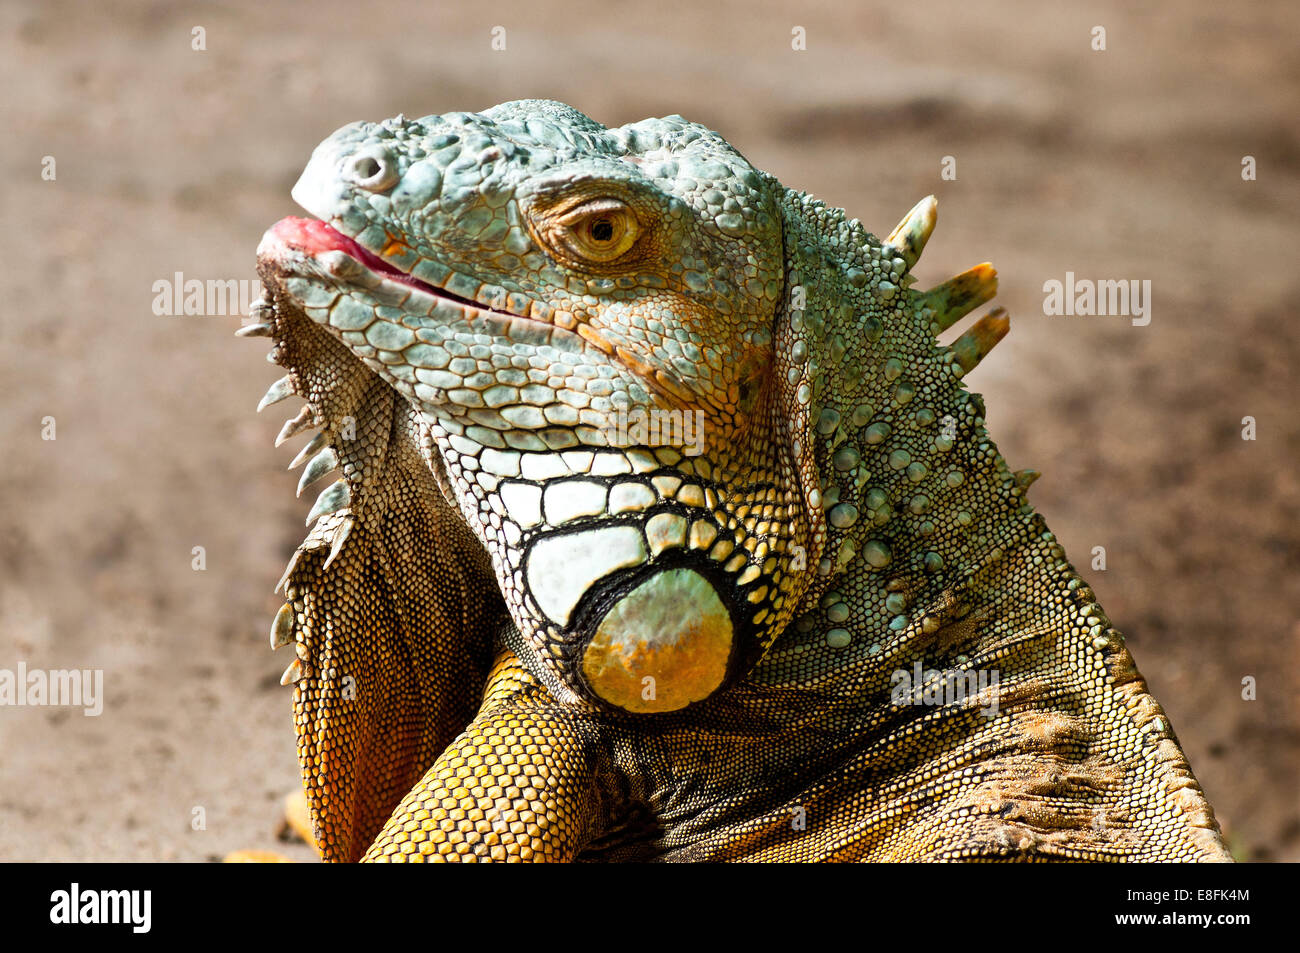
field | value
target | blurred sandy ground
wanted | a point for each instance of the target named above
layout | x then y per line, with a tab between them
1119	164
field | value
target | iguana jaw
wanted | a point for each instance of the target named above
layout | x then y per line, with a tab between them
313	250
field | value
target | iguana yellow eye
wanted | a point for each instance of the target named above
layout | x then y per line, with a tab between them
600	230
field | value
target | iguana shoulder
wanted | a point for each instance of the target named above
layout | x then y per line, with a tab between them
667	529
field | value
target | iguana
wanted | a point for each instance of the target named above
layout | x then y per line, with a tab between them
665	529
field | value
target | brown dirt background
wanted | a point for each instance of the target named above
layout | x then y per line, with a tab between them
1117	164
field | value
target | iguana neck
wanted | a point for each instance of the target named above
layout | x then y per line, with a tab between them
906	528
916	500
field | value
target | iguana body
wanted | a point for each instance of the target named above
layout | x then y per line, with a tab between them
530	628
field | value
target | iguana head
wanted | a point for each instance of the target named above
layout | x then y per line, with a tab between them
585	320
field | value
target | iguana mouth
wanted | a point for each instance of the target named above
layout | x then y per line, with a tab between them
295	237
314	238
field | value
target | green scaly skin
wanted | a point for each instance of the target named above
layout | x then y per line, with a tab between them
527	629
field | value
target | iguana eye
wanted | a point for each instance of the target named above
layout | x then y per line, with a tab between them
600	230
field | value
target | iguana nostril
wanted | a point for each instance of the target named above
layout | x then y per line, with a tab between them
373	171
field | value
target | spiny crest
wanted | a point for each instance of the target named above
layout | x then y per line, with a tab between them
942	306
910	235
946	304
951	301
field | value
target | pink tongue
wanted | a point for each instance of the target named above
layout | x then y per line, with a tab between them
314	237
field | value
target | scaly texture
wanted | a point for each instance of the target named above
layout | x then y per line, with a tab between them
666	530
